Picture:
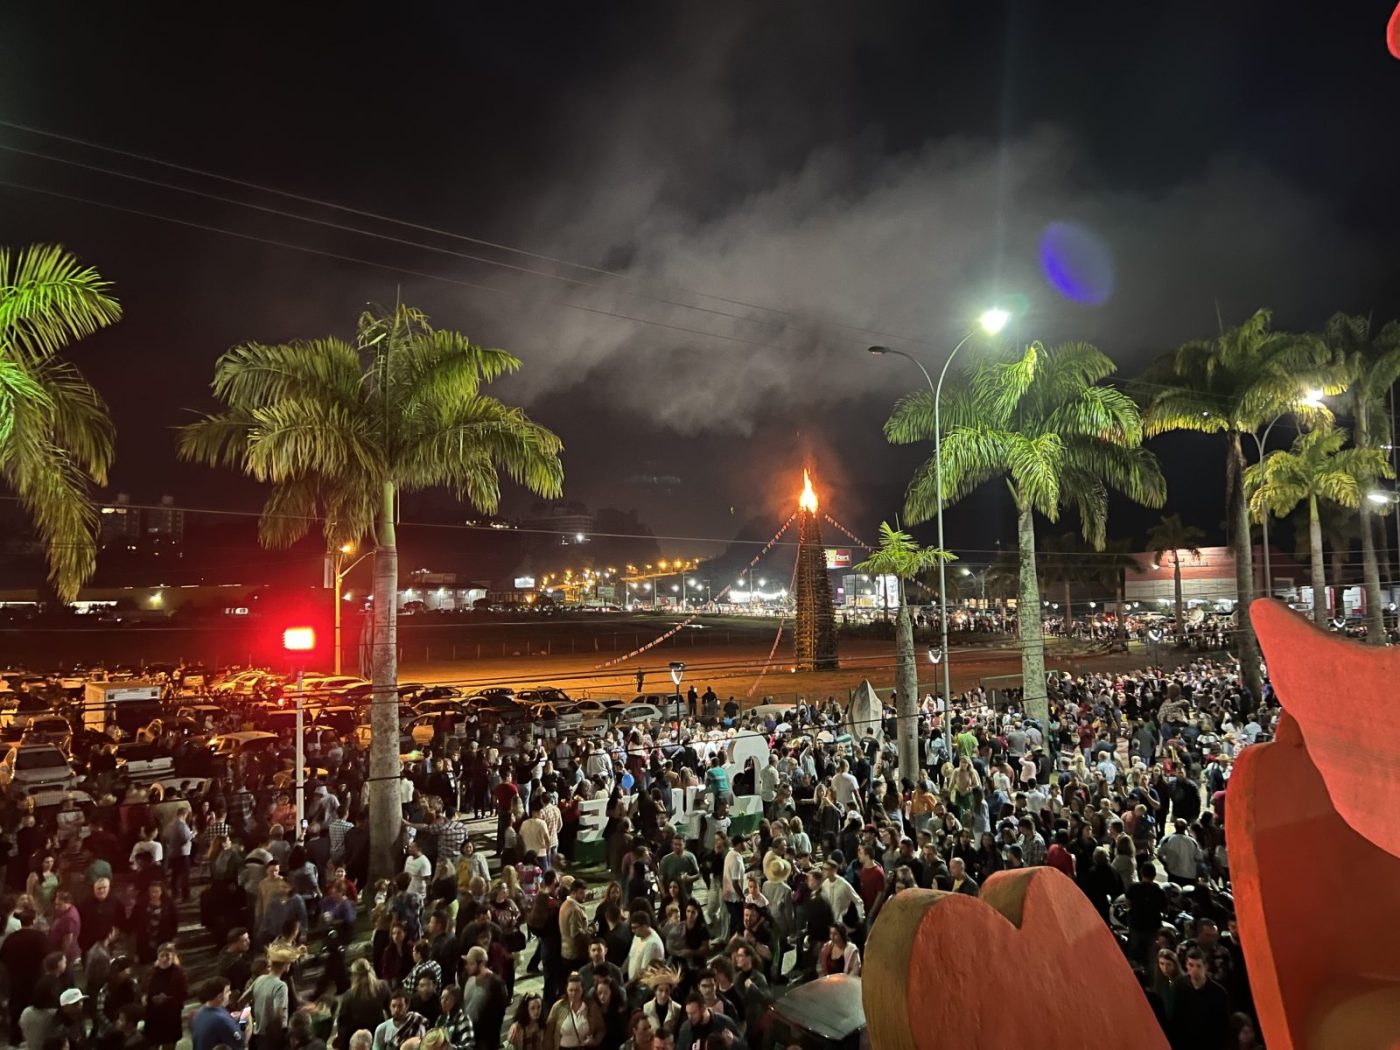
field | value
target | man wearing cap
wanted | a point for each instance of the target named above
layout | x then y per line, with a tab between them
65	1021
212	1024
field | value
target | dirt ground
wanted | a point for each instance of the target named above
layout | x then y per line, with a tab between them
737	670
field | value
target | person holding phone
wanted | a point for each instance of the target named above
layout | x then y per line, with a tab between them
212	1024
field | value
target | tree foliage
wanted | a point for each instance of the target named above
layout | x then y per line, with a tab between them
1043	420
327	424
56	436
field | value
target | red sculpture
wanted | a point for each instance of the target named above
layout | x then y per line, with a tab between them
1314	838
1028	964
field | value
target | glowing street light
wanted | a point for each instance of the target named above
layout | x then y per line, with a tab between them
990	322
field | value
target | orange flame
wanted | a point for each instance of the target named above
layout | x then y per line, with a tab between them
808	500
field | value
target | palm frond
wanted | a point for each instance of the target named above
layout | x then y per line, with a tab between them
49	299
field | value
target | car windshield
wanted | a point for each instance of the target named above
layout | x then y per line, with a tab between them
39	758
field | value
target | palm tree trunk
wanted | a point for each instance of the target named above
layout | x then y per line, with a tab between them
1317	567
1371	577
907	702
1370	569
1036	702
1122	615
385	810
1180	604
1243	549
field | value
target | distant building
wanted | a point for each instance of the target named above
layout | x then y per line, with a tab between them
120	525
164	525
560	521
1208	581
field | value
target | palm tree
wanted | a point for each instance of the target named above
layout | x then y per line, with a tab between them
1317	468
1370	364
1041	420
55	433
899	556
1169	538
1233	384
1340	530
339	430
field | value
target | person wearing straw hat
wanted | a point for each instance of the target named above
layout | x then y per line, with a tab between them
662	1010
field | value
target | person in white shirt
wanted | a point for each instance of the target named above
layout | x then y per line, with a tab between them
1109	769
148	843
419	869
839	893
768	780
647	948
732	882
1181	855
845	787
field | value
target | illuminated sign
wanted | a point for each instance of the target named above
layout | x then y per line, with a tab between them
838	558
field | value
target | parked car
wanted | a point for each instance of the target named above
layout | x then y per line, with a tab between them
229	745
642	713
547	695
38	766
825	1014
49	729
144	762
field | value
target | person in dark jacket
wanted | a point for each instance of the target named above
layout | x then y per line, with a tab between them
20	955
1199	1018
819	923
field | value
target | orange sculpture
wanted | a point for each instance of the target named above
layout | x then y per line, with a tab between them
1028	964
1314	835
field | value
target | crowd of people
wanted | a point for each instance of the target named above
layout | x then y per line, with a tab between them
501	927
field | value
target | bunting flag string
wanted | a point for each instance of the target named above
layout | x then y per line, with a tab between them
849	534
792	586
691	619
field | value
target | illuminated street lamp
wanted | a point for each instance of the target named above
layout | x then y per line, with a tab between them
677	673
339	571
300	640
991	322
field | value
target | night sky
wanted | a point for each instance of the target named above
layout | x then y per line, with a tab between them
775	186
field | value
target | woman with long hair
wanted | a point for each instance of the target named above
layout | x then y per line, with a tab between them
696	936
838	954
612	894
166	989
454	1023
613	1003
365	1005
574	1022
1125	861
527	1026
43	884
798	839
398	957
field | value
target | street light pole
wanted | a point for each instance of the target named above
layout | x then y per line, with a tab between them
341	570
991	322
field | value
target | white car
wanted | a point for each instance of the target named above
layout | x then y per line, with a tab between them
229	745
329	683
34	766
642	713
144	762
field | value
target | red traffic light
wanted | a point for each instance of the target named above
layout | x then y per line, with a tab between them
299	639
